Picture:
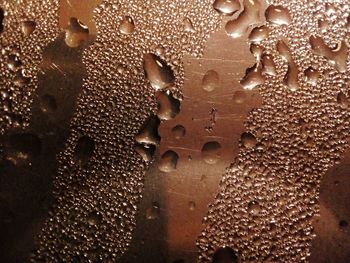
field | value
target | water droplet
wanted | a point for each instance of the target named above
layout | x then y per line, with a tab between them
210	81
311	75
188	26
239	96
259	34
278	15
20	79
227	7
178	131
337	57
253	77
127	26
248	140
254	208
84	150
192	205
342	100
149	132
94	218
211	152
76	33
168	106
250	15
269	66
14	62
158	72
291	77
28	27
168	162
145	151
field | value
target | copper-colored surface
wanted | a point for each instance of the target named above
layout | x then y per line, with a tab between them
180	198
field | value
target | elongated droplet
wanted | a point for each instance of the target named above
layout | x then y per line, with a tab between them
159	74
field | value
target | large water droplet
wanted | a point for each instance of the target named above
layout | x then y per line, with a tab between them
168	106
158	72
149	132
278	15
253	77
250	15
227	7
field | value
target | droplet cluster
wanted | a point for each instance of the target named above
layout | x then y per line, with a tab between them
268	197
133	65
27	28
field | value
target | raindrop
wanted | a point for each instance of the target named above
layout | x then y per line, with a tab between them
259	34
250	15
253	77
94	218
311	75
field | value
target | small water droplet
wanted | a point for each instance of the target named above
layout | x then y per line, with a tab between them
211	80
211	152
127	26
248	140
178	131
239	96
168	162
28	27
